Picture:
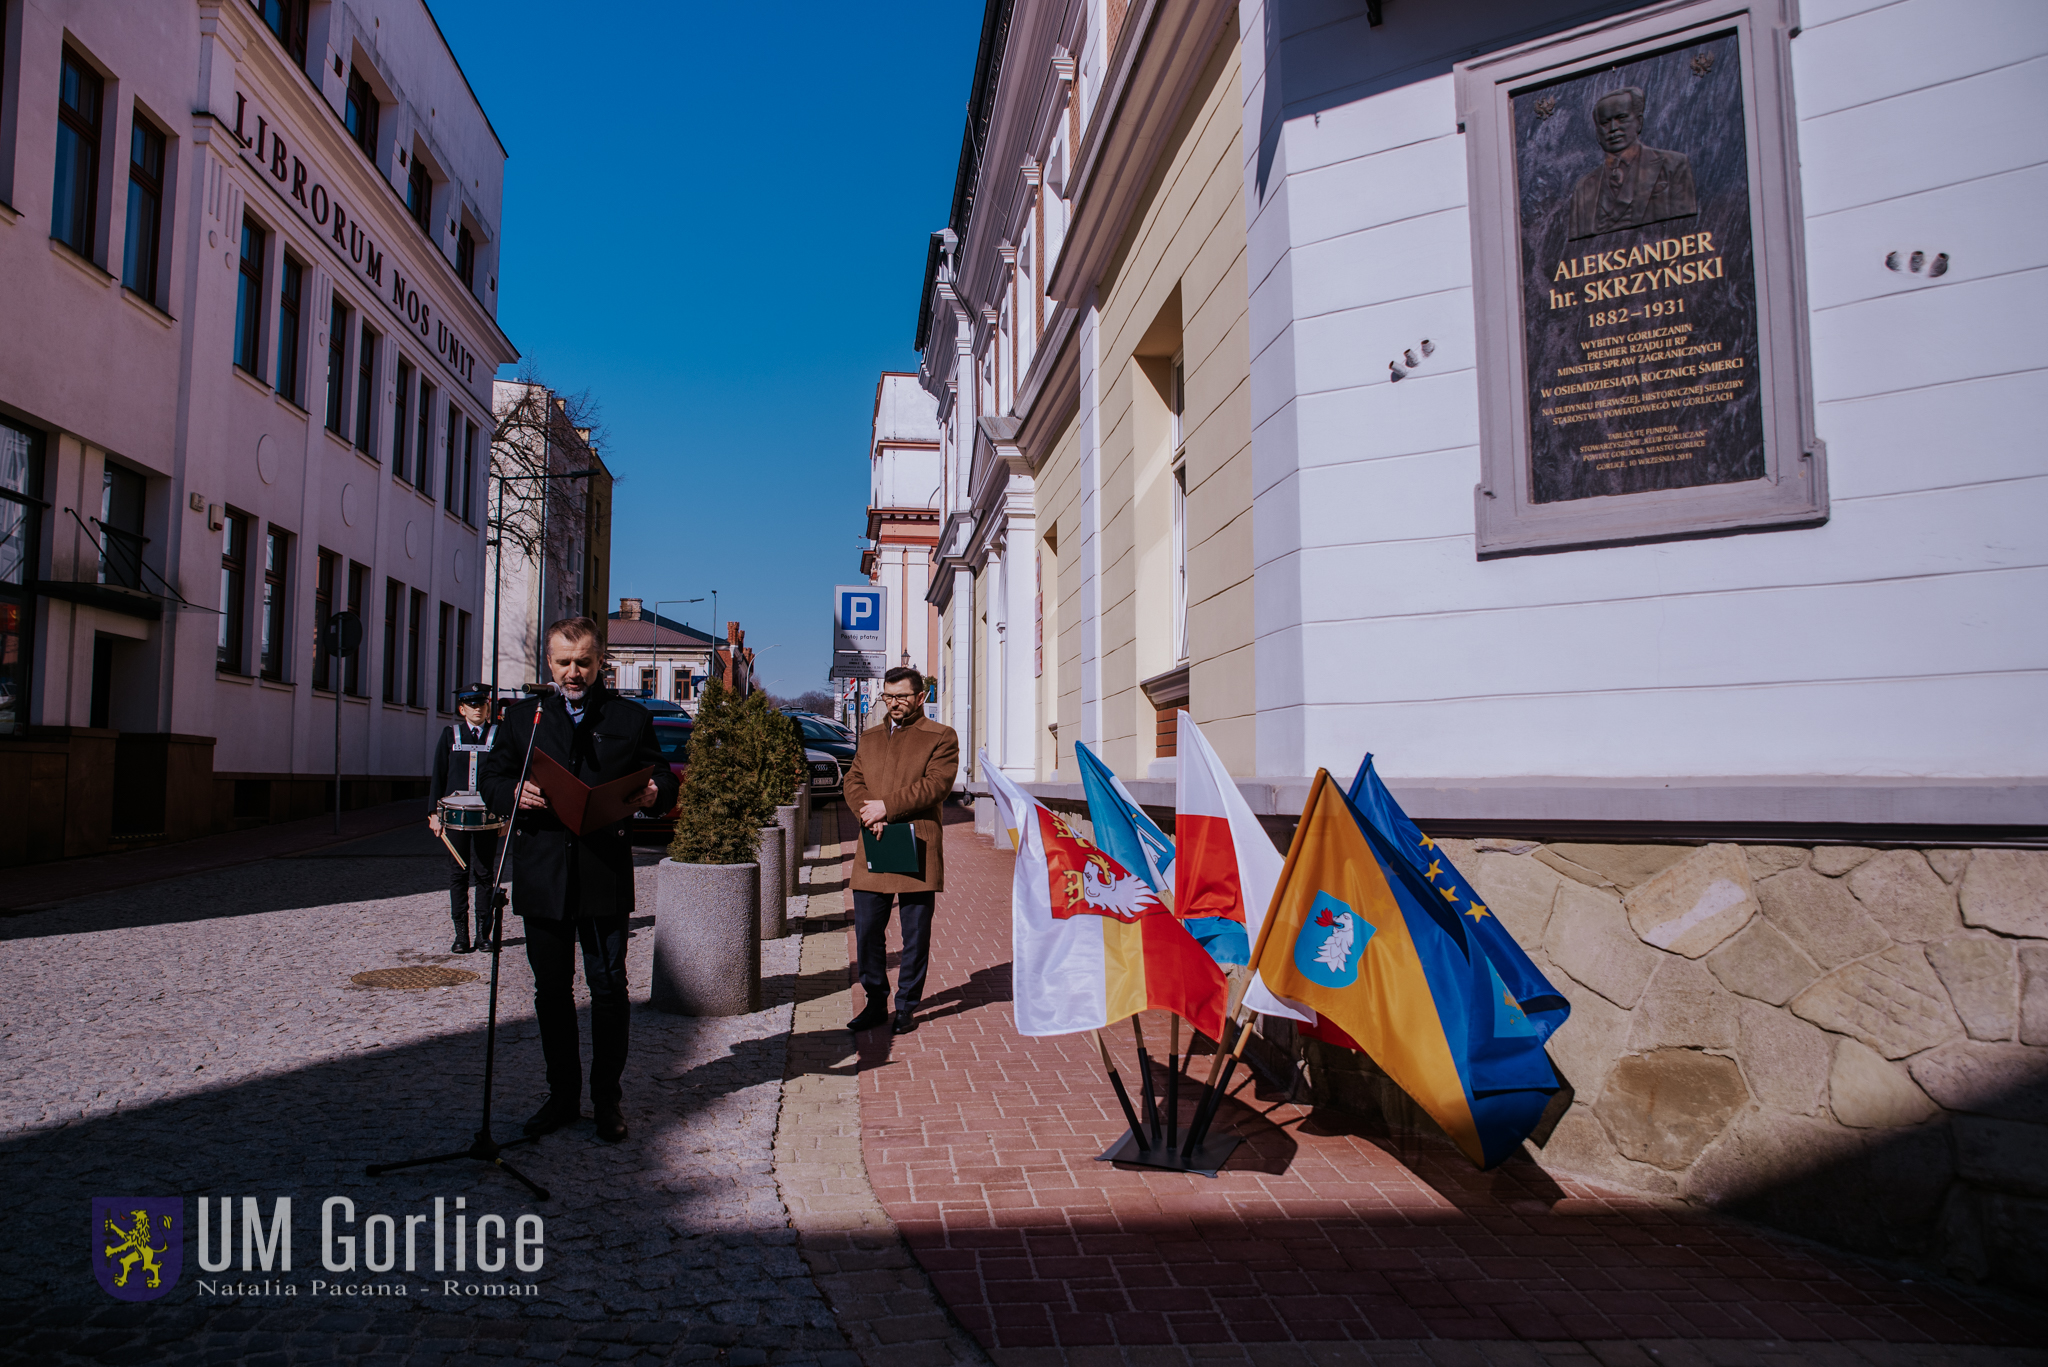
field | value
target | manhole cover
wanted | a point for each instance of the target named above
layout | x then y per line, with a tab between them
414	977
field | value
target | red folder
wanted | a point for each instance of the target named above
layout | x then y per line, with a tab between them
579	806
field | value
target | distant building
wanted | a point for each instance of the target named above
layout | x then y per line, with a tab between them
557	530
250	256
651	656
904	473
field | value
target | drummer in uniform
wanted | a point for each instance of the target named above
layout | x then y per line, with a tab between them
458	757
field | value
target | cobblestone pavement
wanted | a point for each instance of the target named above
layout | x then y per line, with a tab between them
1319	1242
201	1037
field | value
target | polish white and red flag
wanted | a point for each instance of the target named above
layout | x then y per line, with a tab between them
1224	867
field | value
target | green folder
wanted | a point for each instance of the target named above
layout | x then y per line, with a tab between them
893	851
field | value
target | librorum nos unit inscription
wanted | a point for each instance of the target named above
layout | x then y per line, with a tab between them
1638	281
1639	290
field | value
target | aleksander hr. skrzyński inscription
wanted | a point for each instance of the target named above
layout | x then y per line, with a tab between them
1639	288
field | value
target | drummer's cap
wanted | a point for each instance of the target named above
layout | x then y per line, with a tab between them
475	693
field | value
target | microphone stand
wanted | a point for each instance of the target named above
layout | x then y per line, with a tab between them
483	1148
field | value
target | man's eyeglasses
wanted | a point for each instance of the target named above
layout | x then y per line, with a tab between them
900	697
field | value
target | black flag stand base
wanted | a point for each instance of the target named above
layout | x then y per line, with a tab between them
1208	1156
1161	1148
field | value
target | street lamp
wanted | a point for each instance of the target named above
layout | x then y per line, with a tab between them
498	570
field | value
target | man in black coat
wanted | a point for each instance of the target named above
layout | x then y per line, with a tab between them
573	889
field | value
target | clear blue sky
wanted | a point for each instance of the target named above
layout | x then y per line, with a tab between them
715	221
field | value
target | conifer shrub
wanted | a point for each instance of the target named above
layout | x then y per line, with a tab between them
718	812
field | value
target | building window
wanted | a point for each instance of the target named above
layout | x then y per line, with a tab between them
359	113
286	19
75	201
291	286
419	195
394	608
145	209
323	609
277	546
414	618
465	258
400	414
337	362
249	301
469	499
122	495
441	685
352	672
461	648
366	387
647	681
21	517
451	491
425	445
234	595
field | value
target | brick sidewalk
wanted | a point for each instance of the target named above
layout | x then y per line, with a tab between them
980	1145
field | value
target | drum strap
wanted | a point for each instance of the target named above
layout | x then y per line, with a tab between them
475	752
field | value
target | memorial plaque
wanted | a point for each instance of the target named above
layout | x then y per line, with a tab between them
1639	281
1639	299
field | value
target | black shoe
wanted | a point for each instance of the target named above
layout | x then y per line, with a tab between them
905	1022
872	1015
611	1124
553	1116
462	944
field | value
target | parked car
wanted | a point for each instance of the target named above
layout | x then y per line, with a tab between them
829	738
660	707
828	775
672	734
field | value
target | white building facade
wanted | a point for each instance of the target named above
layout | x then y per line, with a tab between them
904	487
1863	658
252	254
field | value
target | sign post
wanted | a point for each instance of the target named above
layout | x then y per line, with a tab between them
341	638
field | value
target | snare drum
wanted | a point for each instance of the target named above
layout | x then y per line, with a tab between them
466	812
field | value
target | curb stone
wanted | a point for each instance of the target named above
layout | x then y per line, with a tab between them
876	1288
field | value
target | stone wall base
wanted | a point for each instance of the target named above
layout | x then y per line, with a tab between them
1846	1043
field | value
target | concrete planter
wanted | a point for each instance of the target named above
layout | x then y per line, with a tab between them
707	950
788	817
803	828
774	863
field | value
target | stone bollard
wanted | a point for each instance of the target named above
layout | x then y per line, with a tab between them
803	831
707	949
774	908
792	843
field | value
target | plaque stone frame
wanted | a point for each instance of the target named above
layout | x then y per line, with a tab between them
1793	489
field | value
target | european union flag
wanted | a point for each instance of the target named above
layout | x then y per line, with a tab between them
1533	994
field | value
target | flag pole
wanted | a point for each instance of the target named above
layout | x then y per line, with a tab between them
1212	1099
1123	1097
1172	1083
1221	1066
1152	1118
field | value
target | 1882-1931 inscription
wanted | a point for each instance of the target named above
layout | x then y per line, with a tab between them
1639	287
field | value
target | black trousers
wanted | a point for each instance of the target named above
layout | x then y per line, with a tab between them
479	849
870	935
551	950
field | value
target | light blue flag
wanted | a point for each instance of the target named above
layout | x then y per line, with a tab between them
1134	840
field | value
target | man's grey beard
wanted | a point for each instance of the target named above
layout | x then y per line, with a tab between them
572	692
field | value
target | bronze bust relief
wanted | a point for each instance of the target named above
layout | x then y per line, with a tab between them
1636	184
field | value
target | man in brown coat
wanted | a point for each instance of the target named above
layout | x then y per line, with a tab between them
902	771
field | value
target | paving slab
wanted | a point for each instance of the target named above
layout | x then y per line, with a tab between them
201	1037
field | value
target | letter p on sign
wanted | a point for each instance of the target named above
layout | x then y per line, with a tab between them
863	612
